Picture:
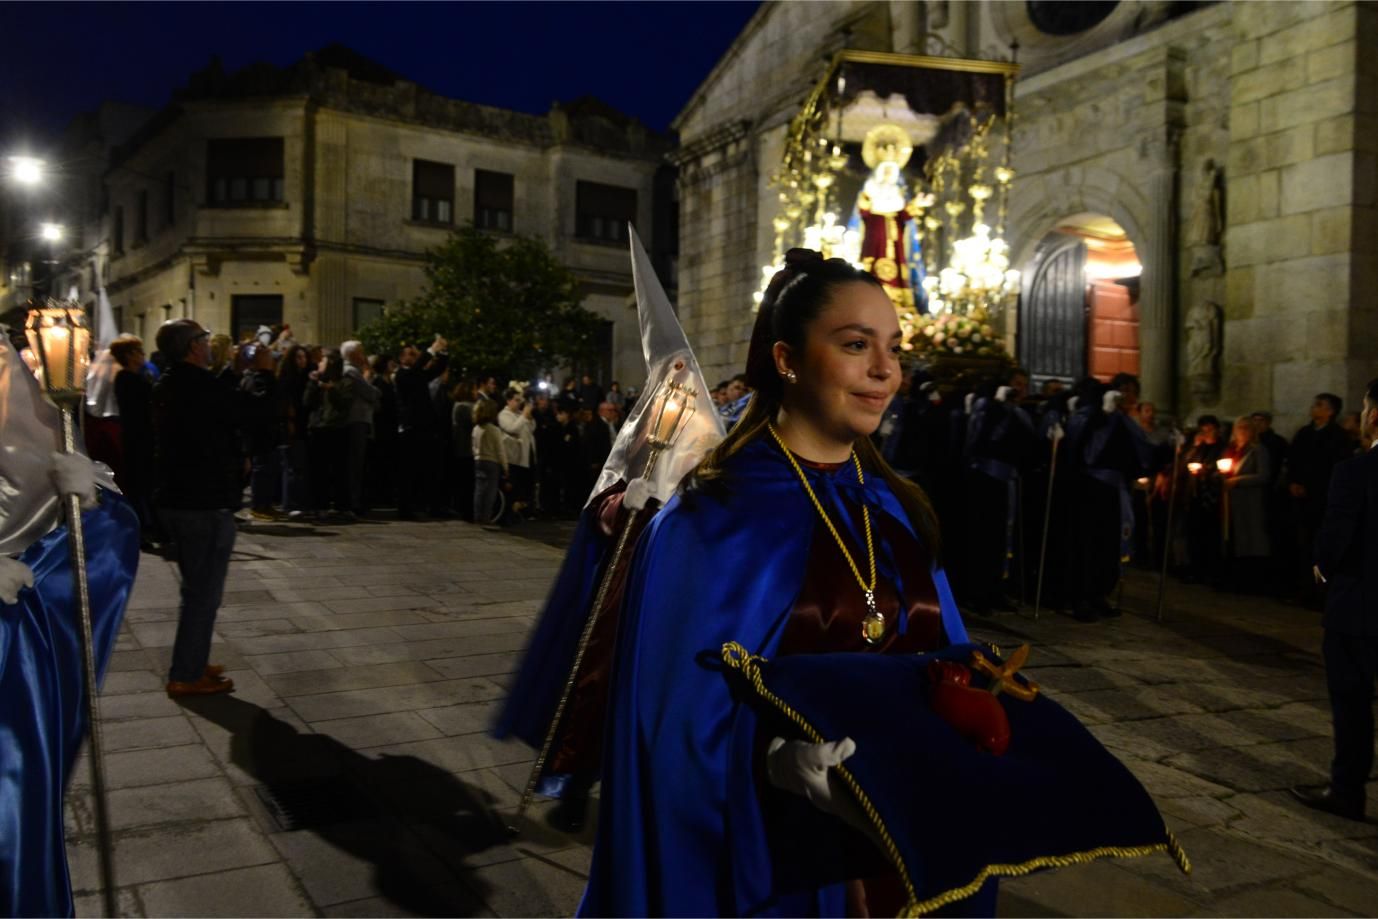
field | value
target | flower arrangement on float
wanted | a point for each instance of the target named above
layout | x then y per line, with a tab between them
948	334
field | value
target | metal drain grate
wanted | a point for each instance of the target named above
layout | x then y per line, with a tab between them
312	803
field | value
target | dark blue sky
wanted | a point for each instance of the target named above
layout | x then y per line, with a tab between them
644	58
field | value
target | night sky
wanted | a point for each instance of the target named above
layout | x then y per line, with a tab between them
645	58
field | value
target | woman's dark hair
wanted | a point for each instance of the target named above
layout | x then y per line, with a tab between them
334	365
379	365
288	371
485	412
794	299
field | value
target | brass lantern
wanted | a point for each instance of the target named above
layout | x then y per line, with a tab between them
60	338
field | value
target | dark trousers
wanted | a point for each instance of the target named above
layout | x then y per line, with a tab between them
1095	541
326	447
417	459
296	492
1351	667
487	478
264	479
203	540
356	456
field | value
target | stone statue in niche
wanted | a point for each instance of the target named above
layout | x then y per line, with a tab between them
1206	229
1203	350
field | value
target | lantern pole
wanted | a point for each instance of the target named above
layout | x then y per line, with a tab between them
64	380
671	408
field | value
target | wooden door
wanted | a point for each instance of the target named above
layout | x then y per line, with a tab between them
1114	322
1052	311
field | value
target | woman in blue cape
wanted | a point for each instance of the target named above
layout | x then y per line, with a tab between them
794	540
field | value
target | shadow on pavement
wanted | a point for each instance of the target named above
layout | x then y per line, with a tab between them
413	821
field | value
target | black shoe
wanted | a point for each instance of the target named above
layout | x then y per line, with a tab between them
1085	612
1325	799
569	815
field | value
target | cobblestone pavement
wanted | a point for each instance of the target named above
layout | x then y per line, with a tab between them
350	773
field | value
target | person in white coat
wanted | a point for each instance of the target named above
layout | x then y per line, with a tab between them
519	430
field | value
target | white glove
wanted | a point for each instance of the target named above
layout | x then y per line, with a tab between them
1072	404
1110	401
1003	393
639	492
971	398
801	768
14	577
1055	432
74	474
1177	439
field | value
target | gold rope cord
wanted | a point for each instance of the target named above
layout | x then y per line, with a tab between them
749	665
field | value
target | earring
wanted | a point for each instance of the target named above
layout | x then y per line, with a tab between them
791	376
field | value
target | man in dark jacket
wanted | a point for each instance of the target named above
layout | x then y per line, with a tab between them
199	483
418	450
1310	460
1347	564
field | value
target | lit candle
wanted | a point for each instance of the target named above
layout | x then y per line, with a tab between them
63	347
669	417
1224	464
1193	468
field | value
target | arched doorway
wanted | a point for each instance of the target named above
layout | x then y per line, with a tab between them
1079	313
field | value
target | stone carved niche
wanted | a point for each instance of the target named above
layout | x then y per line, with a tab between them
1203	328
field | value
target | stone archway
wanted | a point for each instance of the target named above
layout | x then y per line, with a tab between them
1040	202
1079	307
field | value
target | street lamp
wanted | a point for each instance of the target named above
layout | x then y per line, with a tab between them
27	170
51	232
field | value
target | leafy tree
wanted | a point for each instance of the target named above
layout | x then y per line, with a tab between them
506	307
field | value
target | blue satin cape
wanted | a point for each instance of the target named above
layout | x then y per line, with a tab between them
681	830
42	707
535	694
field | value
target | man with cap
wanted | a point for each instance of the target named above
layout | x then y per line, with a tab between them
199	473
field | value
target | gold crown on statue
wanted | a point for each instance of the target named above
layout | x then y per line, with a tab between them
886	143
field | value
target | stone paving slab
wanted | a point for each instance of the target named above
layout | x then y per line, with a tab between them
370	661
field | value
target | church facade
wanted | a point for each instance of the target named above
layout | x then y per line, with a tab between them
1194	196
308	195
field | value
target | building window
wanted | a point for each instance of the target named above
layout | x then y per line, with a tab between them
141	219
170	199
245	170
249	311
432	192
602	212
117	231
366	311
493	200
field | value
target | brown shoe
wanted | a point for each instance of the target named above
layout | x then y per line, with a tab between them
206	686
215	670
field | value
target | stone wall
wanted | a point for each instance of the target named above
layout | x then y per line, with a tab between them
1301	217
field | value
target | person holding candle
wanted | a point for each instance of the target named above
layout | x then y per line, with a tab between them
794	541
1246	475
1203	501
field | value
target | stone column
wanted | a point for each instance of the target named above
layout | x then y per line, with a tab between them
1158	288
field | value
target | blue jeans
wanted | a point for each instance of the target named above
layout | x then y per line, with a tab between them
203	540
264	480
487	475
296	493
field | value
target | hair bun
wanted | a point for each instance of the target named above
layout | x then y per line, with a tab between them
800	259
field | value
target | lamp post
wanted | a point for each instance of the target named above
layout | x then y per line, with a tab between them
671	410
61	340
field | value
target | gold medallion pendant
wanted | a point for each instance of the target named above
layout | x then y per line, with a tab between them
873	626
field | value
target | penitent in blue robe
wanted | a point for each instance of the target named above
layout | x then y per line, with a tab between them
687	825
42	698
680	828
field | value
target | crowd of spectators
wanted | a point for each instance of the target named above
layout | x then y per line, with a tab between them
335	434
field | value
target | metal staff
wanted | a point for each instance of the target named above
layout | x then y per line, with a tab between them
59	336
673	408
1167	526
1047	518
1019	522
